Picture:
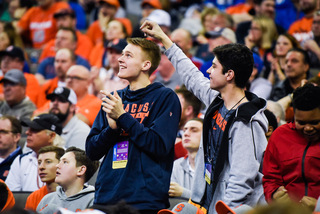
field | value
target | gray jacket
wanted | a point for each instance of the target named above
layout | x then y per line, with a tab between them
58	199
239	181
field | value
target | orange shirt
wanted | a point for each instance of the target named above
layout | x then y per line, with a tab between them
10	199
32	89
40	23
47	88
84	47
89	107
239	8
301	29
96	55
34	198
95	33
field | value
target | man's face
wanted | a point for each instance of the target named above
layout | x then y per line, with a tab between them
47	166
107	10
60	108
217	78
295	67
62	63
115	30
131	62
8	63
267	8
4	41
192	135
316	25
78	80
64	39
308	124
13	93
36	139
67	170
181	38
65	21
8	140
165	67
215	42
13	5
113	57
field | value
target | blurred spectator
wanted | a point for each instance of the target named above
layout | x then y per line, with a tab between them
80	14
291	158
66	18
63	60
272	121
190	108
48	158
38	23
10	134
115	30
162	18
312	45
277	110
65	38
147	7
107	11
63	104
15	102
301	29
284	43
183	168
261	8
296	69
183	39
44	130
9	37
13	58
7	200
256	84
73	171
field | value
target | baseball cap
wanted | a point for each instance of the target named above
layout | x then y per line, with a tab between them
224	32
154	3
182	208
258	63
15	76
222	208
161	17
117	45
43	121
65	12
111	2
13	51
66	94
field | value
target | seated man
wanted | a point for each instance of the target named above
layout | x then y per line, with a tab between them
183	168
10	132
44	130
291	160
49	157
73	170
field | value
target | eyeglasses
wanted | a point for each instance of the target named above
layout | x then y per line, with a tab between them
75	78
2	131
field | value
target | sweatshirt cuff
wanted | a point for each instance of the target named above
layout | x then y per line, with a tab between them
125	121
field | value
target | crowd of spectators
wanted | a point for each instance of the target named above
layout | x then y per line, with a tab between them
62	61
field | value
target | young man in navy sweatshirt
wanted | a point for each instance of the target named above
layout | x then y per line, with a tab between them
134	133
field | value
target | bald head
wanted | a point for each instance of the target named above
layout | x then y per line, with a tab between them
182	38
78	79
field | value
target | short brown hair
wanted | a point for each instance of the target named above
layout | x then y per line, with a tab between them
58	150
151	50
83	159
15	123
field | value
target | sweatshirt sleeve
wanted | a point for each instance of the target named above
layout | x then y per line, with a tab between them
101	137
272	178
193	79
158	138
245	158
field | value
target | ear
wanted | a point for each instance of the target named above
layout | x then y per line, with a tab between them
269	132
146	65
81	170
52	135
230	75
16	137
189	110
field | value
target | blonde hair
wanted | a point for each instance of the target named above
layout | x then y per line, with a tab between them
268	29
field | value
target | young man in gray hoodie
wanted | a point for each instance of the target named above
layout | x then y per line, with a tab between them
73	170
234	126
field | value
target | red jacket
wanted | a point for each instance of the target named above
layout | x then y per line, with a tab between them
293	162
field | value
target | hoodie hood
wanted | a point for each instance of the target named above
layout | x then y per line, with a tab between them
62	195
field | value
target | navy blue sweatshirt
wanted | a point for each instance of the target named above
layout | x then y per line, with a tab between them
150	126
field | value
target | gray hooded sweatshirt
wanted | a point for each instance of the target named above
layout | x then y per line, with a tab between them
58	199
238	179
